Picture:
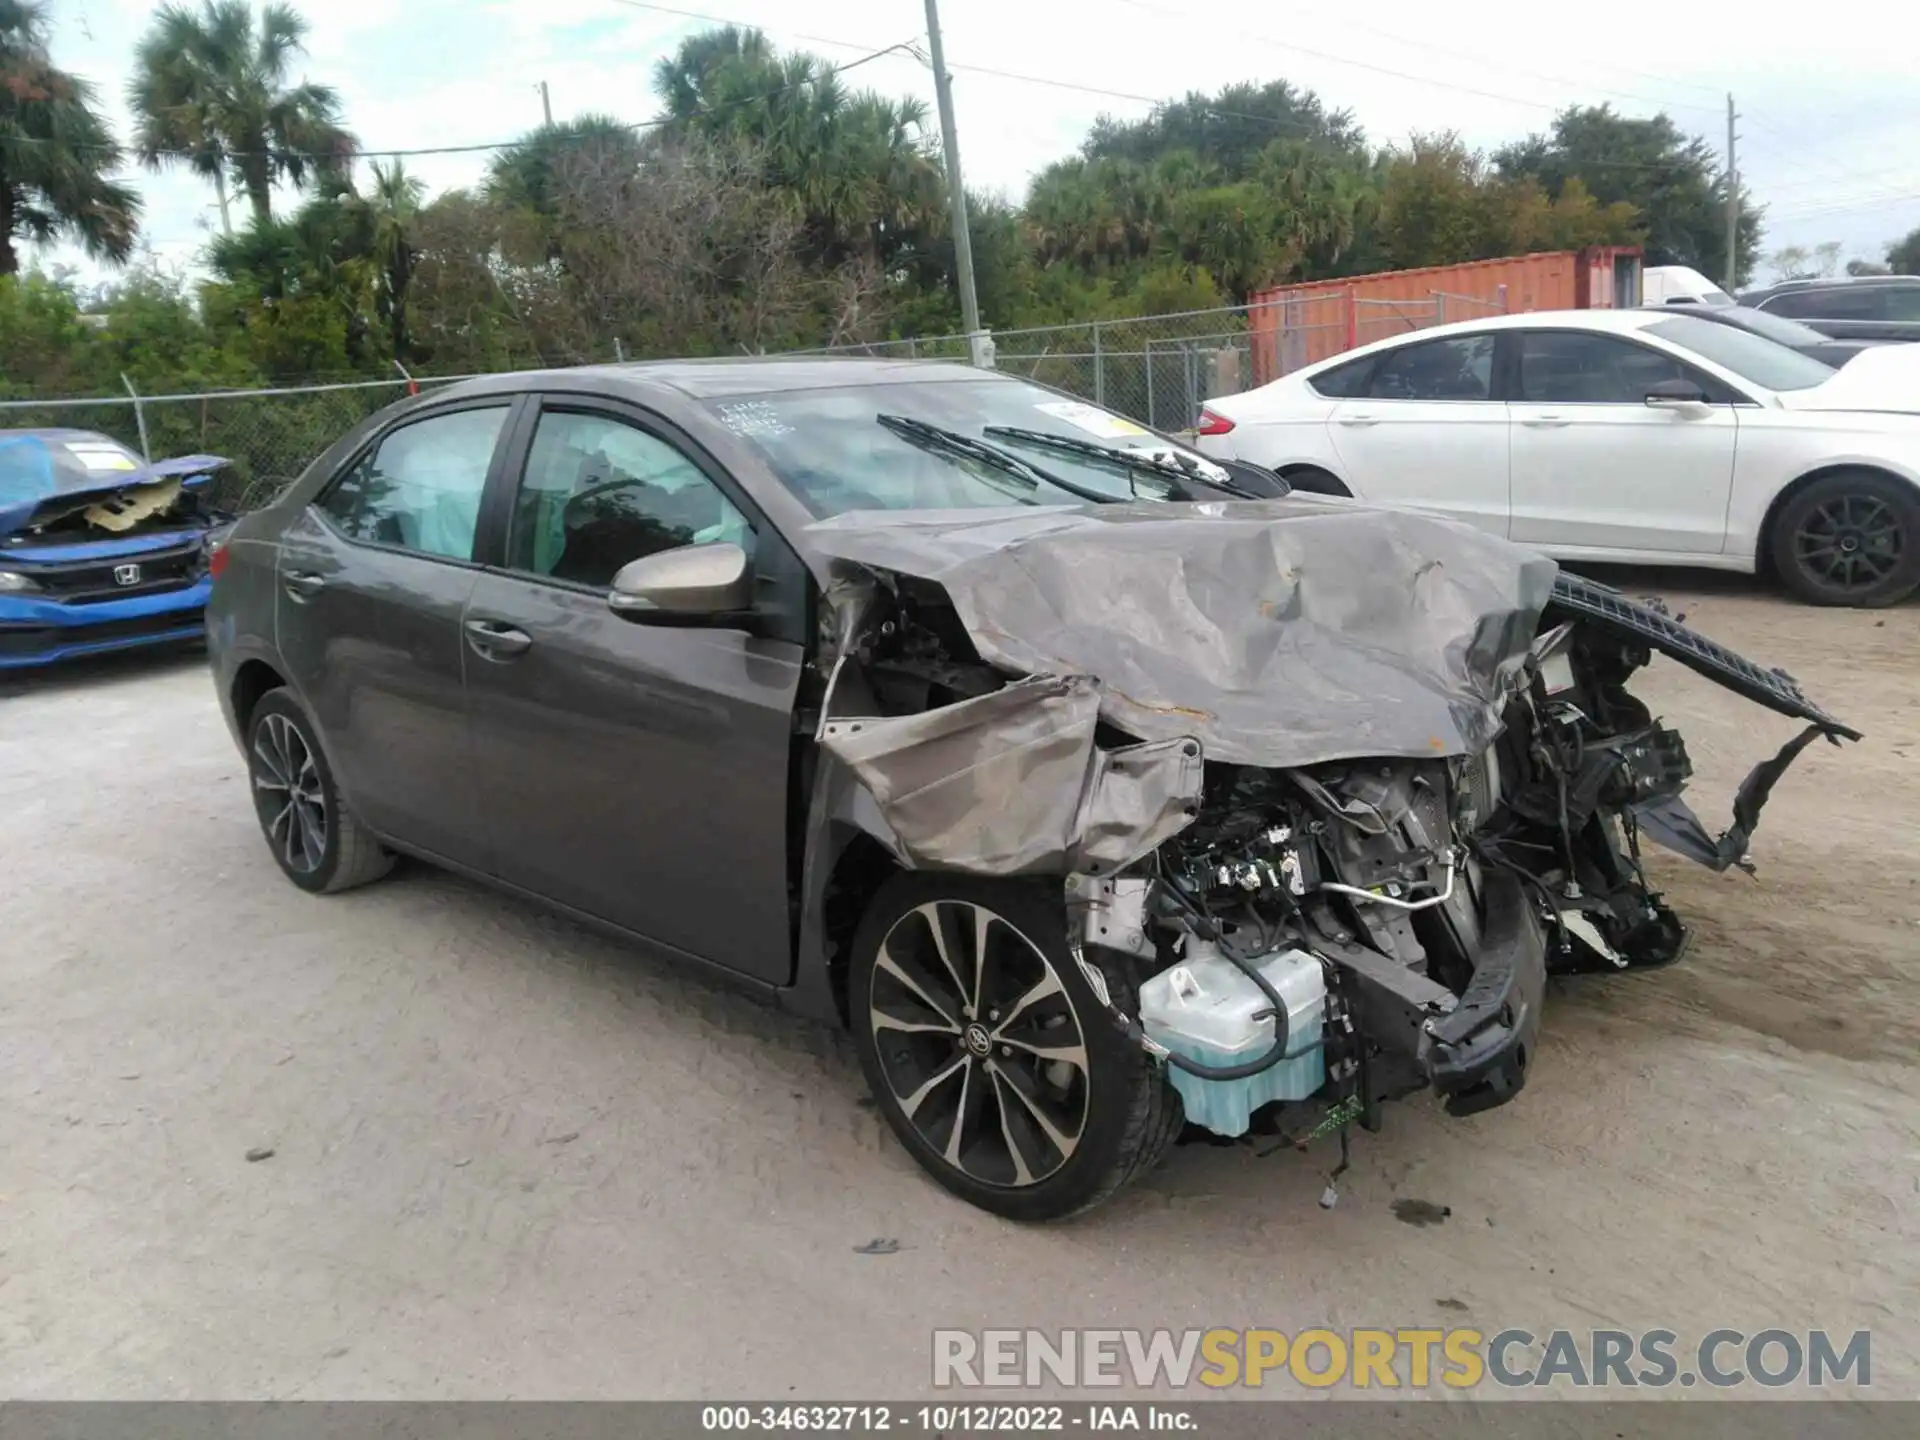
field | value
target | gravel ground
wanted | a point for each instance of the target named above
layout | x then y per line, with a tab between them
511	1159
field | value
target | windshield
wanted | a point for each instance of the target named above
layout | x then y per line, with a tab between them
831	448
1774	327
1752	357
37	464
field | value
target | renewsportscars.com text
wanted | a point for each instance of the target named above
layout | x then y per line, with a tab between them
1368	1359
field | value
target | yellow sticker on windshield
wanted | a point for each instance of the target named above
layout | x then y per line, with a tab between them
103	457
1091	418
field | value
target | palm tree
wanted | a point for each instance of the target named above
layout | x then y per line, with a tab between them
862	166
55	150
211	91
394	206
530	173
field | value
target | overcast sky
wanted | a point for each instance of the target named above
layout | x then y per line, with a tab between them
1830	127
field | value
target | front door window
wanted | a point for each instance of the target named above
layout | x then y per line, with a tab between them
599	493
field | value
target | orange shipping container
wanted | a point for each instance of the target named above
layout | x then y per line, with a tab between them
1295	325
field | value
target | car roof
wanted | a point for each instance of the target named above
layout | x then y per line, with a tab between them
730	375
1830	282
1605	322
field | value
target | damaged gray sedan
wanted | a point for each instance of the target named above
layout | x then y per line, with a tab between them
1096	788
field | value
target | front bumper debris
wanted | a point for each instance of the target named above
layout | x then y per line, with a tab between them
1479	1053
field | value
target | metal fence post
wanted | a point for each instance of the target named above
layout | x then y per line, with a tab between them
139	418
1099	368
1439	307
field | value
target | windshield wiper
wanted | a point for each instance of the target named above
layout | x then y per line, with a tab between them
952	442
1133	462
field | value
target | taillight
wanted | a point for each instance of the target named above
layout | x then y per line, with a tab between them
1212	423
217	560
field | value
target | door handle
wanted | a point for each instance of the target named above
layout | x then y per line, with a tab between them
1358	420
496	641
302	585
1544	422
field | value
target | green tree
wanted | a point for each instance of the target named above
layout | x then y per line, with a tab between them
392	212
55	151
862	165
1672	179
1230	130
212	90
1903	255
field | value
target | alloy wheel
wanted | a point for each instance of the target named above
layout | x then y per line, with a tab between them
288	793
979	1043
1850	542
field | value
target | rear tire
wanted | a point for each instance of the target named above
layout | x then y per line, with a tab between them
1017	1092
315	840
1850	538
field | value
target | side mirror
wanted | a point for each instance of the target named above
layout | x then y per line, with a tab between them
1672	393
684	586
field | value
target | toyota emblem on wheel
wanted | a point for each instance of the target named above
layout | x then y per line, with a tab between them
126	574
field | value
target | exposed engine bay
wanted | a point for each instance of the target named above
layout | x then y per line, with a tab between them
1346	930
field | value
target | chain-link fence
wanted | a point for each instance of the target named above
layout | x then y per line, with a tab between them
1160	369
1157	369
268	435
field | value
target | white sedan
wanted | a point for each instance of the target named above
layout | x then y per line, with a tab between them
1616	435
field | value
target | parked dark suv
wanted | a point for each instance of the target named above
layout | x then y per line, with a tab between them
1865	307
915	697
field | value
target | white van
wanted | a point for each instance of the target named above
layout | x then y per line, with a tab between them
1679	285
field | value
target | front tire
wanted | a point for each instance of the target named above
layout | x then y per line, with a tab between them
313	837
1850	538
989	1054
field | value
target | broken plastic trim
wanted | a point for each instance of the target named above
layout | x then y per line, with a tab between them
1670	821
1604	608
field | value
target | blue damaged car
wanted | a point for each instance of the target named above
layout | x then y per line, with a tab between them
99	550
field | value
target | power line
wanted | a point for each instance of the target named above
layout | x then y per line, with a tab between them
1277	125
416	151
1439	50
741	24
1864	205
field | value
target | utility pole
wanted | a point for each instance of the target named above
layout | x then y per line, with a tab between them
1733	203
956	191
546	105
220	193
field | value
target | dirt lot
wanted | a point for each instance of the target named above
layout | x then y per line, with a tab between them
511	1159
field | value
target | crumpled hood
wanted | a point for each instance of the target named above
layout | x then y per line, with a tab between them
1277	633
38	481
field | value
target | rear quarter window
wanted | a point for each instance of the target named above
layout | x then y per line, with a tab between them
1343	382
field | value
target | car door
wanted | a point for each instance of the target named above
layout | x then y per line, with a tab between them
637	773
1597	467
373	580
1429	431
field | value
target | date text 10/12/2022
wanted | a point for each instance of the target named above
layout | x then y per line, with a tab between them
949	1419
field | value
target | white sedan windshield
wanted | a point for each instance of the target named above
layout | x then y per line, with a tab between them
1752	357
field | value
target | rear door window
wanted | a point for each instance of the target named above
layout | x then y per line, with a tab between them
1460	368
419	488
